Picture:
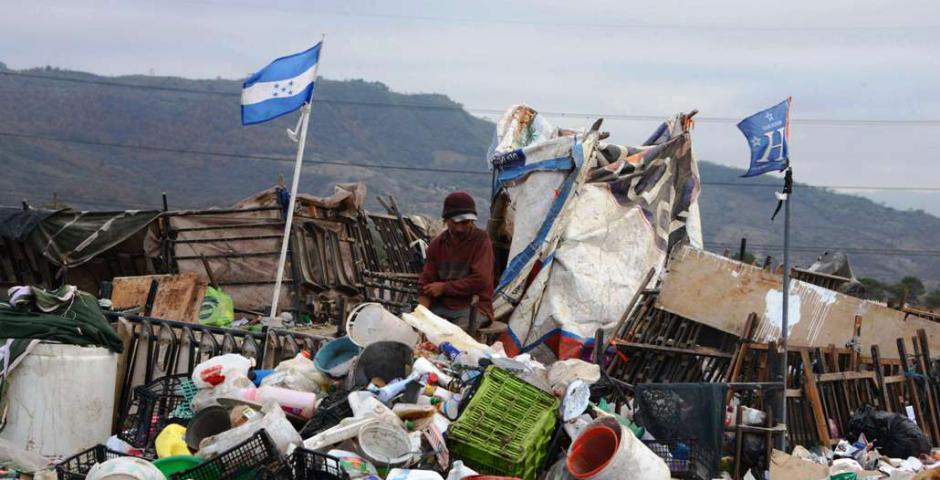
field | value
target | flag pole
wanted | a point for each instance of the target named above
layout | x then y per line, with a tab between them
295	184
787	192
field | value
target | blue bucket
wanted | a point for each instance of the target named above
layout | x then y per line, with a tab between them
336	357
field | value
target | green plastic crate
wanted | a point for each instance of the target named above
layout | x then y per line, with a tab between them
506	427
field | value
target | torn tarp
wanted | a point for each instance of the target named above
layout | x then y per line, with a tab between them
587	220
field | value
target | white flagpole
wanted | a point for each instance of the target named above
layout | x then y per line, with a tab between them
295	183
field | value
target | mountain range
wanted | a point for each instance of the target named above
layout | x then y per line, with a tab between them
119	142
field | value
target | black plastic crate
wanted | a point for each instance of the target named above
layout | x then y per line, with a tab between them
246	460
330	412
77	466
310	465
152	409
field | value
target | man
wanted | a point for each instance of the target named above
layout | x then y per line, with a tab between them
459	265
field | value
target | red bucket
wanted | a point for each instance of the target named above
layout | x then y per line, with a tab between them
592	451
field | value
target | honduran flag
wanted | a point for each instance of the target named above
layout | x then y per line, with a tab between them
281	87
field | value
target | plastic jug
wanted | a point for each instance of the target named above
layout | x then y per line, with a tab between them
299	403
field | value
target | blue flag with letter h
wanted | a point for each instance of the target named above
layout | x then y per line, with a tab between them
767	133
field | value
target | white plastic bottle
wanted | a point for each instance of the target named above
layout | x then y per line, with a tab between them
299	403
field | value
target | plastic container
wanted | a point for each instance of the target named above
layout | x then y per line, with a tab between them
206	423
54	385
505	428
216	369
385	360
592	451
152	409
336	357
125	468
77	466
384	444
632	461
303	404
176	463
371	322
240	462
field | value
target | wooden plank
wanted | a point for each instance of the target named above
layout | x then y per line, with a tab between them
911	386
812	396
842	376
879	377
703	351
720	293
178	296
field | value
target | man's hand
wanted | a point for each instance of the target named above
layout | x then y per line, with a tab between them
434	289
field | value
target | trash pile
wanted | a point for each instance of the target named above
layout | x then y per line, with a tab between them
410	397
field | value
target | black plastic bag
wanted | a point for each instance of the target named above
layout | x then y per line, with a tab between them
893	434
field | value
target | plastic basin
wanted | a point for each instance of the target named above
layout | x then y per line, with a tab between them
176	463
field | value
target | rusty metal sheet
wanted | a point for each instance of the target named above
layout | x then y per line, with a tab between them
720	293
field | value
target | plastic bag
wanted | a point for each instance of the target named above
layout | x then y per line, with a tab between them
217	308
893	434
215	370
298	373
234	386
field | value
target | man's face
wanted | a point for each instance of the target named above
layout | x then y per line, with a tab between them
460	229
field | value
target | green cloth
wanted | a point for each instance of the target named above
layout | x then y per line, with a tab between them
78	322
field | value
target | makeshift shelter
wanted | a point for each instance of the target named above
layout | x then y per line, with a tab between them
584	222
50	247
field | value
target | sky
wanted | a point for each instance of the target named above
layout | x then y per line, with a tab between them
863	75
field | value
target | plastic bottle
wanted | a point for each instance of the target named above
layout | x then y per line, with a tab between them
425	400
442	393
394	389
450	350
425	367
303	404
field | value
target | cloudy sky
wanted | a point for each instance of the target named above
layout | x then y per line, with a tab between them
864	75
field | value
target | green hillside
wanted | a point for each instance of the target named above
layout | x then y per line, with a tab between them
353	122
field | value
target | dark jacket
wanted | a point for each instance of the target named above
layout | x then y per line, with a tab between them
467	267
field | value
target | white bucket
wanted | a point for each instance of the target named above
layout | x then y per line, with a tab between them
384	444
61	399
633	460
371	322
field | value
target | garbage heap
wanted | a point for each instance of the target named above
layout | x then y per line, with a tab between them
409	397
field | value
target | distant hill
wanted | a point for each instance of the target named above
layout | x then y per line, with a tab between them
353	123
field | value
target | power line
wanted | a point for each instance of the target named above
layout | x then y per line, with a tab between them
631	24
233	155
491	111
846	249
209	153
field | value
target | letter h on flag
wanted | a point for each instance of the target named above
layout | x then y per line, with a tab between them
767	133
281	87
